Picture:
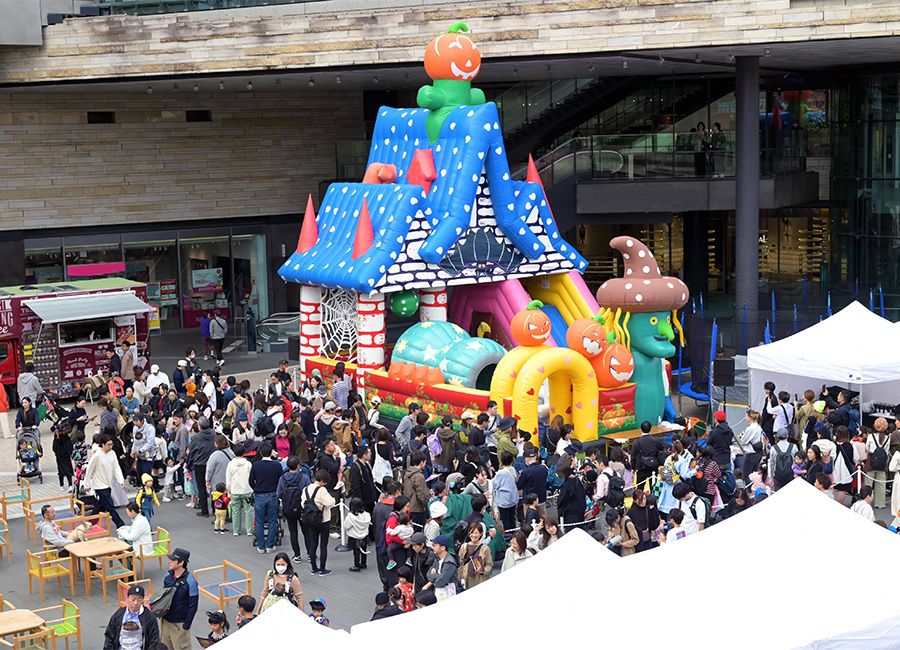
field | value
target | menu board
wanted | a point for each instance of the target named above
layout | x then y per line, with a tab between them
168	292
206	280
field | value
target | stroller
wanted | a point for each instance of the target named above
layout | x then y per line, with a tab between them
58	416
28	453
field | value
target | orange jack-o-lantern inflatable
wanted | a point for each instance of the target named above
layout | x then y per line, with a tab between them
453	55
614	366
587	336
531	326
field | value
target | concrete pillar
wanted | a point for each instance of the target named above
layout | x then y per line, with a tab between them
371	330
310	325
433	304
746	264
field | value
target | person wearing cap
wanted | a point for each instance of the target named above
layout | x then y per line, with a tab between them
283	371
507	431
175	626
317	612
421	558
467	421
156	378
720	440
442	575
132	627
179	377
533	479
384	608
436	512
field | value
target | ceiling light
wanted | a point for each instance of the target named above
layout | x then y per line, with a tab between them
730	58
311	82
697	59
221	85
149	90
624	65
661	59
196	88
375	79
337	79
249	85
515	72
590	67
767	52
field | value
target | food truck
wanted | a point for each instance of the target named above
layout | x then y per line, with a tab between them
65	330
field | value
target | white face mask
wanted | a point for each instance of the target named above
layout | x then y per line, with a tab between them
280	568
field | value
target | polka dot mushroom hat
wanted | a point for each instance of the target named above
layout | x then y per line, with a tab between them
643	289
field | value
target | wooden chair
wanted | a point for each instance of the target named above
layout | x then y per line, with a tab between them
12	493
5	604
124	585
100	524
113	567
48	565
162	546
40	639
5	543
66	506
223	583
63	620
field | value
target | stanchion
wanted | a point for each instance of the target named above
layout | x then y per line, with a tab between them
343	546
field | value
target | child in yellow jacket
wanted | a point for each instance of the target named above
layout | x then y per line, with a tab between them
146	497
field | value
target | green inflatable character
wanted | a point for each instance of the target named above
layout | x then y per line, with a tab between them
453	61
642	309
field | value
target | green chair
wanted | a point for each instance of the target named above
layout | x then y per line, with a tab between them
162	546
63	620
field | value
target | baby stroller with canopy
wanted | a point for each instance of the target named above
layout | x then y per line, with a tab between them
58	416
28	453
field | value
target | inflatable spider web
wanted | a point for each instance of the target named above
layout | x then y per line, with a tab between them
339	333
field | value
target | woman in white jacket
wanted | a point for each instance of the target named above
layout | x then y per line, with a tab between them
237	484
138	534
517	552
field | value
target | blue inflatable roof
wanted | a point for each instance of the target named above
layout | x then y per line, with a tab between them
410	227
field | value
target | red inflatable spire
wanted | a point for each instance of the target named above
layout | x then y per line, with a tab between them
364	233
421	169
309	233
532	176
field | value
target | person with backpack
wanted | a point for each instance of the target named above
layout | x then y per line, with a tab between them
696	509
237	407
622	536
781	459
783	414
289	492
646	452
845	461
877	445
609	493
315	513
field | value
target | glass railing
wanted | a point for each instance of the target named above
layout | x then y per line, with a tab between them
528	101
662	155
147	7
278	327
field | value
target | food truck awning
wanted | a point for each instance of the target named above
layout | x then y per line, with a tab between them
67	309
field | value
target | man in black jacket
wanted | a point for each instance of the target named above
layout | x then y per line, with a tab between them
132	623
533	479
264	477
839	414
720	439
645	455
362	484
384	608
199	449
382	511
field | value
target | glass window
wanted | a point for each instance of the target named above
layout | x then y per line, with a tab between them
250	274
43	261
153	259
84	254
205	275
89	331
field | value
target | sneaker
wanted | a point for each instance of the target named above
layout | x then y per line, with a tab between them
363	566
297	559
62	488
271	549
335	535
261	551
236	533
205	357
188	505
390	565
313	572
325	572
167	500
354	569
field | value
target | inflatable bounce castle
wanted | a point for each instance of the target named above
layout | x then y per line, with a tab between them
438	226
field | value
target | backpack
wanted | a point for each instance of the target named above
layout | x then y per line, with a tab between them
853	423
727	484
781	467
709	515
310	514
291	498
265	427
615	493
667	473
434	445
219	503
879	458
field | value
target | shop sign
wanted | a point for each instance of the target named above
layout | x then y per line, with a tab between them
154	318
206	280
77	362
7	318
168	292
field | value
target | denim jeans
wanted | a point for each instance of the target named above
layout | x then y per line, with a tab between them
241	513
266	509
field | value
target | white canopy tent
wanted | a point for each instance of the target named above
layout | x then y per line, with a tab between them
854	348
284	626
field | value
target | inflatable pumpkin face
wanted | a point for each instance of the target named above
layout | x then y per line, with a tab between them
587	336
453	55
614	366
531	326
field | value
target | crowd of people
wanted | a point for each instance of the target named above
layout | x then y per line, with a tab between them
443	504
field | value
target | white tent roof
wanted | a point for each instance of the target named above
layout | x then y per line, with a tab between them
284	626
853	346
562	582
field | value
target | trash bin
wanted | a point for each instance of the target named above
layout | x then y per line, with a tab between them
294	348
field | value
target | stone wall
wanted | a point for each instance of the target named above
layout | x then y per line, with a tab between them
350	32
261	154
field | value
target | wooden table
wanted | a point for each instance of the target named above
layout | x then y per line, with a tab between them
623	437
93	548
16	621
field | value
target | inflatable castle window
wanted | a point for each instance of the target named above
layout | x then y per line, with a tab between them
438	226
